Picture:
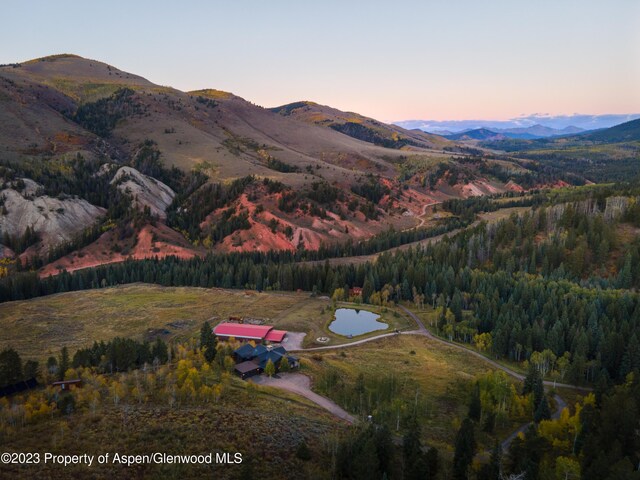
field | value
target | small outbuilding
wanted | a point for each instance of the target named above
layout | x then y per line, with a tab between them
247	369
67	384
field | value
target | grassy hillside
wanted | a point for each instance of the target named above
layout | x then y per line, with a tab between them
203	127
361	127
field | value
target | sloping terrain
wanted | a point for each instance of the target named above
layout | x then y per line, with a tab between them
118	245
625	132
361	127
212	171
526	133
537	131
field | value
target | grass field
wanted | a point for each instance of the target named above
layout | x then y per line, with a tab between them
443	374
40	327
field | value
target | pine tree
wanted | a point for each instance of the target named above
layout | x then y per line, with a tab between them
384	448
465	450
525	455
456	305
367	290
416	463
625	277
631	357
10	367
475	406
365	462
433	462
493	469
284	365
52	365
533	384
542	412
208	342
63	363
31	369
160	351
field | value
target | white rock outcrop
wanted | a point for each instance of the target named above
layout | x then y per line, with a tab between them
54	220
145	190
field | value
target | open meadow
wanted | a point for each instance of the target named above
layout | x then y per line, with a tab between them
40	327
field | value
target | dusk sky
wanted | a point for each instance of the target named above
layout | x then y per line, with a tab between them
390	60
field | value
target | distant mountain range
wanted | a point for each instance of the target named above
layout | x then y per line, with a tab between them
618	134
528	133
537	125
476	134
602	155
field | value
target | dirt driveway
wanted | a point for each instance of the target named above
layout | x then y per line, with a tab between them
301	384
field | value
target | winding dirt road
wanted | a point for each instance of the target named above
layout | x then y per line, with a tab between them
301	384
422	330
560	405
424	212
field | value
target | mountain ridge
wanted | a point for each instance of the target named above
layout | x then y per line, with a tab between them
237	176
359	126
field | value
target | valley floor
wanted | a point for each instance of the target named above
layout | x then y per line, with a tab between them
435	376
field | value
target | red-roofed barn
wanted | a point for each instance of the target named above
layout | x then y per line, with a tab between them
240	331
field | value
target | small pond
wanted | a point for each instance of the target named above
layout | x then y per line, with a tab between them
351	322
